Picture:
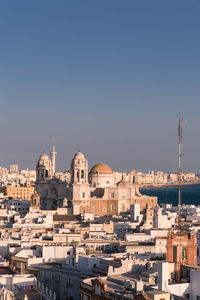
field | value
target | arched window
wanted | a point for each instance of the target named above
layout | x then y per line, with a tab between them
46	173
82	174
78	175
34	201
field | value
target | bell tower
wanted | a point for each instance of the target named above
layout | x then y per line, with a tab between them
79	169
79	184
35	201
43	168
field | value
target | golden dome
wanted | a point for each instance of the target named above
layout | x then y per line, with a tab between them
101	168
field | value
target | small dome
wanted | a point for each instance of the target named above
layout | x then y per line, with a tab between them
44	159
44	156
79	155
124	184
101	168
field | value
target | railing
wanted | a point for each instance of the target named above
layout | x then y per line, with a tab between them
86	286
47	293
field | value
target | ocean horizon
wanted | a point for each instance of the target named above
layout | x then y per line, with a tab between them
169	194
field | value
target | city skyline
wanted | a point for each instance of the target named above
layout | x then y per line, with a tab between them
150	171
107	78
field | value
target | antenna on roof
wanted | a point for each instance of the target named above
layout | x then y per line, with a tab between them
180	136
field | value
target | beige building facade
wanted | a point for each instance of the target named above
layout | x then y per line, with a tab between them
18	191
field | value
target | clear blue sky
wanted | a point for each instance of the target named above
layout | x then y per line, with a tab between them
109	77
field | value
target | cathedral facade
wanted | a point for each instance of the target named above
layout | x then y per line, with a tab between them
96	191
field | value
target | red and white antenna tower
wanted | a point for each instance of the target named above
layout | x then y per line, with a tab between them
180	136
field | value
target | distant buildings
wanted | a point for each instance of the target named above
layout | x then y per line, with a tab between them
3	171
18	191
14	168
159	178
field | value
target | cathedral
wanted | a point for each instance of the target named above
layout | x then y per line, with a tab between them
96	191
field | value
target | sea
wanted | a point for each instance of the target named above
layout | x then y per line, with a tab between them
190	194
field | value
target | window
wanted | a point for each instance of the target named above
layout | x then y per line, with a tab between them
112	195
83	195
184	254
112	207
77	174
46	173
82	174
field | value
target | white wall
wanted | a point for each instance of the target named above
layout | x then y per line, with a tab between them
57	252
88	262
8	281
179	289
137	237
195	284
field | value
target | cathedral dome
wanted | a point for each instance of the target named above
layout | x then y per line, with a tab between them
101	168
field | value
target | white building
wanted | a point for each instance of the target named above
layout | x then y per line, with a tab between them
190	290
20	206
164	218
135	213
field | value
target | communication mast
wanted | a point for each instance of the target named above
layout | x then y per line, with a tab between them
180	135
